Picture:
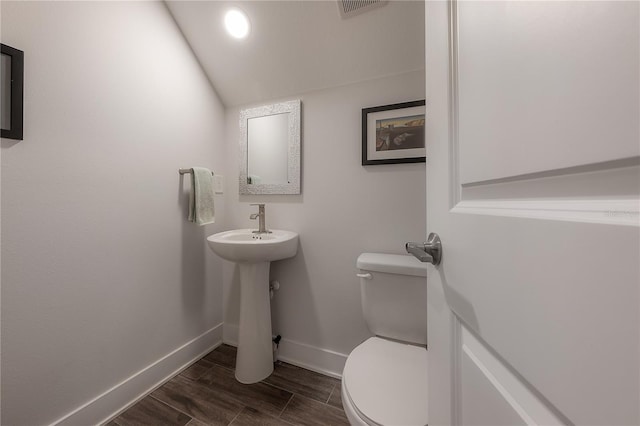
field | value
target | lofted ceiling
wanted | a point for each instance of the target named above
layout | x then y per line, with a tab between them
298	46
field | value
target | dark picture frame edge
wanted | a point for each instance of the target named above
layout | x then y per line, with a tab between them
365	112
17	93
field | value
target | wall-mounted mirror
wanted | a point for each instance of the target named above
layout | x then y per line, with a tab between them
270	149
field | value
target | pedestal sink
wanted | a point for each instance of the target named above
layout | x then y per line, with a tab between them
254	253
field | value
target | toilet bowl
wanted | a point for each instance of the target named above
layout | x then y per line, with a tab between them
384	381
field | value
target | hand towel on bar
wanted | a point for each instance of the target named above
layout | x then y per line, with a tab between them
201	198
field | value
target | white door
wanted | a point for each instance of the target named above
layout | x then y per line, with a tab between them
533	186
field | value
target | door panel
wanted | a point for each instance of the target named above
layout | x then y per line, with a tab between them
485	405
532	185
548	85
492	394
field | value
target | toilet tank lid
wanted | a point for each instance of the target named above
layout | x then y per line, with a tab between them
392	264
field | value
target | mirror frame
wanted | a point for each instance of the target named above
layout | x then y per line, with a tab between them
293	161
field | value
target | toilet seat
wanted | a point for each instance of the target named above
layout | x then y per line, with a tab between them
385	383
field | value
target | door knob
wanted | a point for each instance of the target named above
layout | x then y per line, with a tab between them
430	251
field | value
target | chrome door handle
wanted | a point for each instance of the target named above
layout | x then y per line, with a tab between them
430	251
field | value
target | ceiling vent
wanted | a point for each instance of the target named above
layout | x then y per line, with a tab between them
349	8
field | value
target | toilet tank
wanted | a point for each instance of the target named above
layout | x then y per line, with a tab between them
393	291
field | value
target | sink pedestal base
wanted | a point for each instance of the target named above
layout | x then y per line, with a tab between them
254	360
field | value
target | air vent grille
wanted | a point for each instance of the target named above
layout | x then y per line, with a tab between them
349	8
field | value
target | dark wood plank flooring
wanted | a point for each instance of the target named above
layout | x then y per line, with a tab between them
207	393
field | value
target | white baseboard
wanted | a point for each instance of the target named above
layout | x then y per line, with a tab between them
312	358
230	334
109	404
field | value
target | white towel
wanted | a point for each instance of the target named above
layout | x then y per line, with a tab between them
201	209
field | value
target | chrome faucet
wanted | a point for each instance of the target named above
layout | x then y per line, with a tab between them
260	216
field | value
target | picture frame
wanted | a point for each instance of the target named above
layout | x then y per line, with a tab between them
12	92
393	134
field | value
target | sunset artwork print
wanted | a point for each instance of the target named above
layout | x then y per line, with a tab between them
400	133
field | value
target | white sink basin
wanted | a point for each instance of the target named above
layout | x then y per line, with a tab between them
254	253
243	246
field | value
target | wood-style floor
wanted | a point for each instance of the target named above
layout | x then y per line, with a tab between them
207	393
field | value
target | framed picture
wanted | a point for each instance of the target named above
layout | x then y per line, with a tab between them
393	134
11	92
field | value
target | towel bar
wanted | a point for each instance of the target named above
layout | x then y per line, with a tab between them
186	171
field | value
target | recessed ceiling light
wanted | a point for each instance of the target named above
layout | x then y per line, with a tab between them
236	23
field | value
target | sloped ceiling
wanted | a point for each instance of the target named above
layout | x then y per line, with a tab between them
298	46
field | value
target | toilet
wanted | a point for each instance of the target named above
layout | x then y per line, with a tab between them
384	381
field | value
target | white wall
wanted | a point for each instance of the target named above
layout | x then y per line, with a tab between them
344	209
102	274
